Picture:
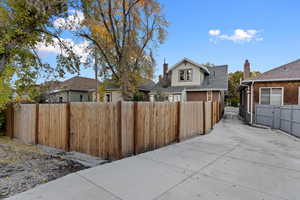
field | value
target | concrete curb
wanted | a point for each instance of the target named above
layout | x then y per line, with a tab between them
291	136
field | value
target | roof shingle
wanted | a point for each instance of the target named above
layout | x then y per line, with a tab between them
288	71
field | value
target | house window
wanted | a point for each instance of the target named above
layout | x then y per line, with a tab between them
108	99
189	74
81	98
181	75
271	96
170	99
177	98
185	75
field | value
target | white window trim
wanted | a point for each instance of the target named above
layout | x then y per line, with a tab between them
185	75
282	93
248	92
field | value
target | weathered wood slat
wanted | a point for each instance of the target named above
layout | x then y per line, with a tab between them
24	122
191	119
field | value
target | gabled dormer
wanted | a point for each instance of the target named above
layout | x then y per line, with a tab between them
187	73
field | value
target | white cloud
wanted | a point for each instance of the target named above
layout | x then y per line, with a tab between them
239	36
72	22
80	49
214	32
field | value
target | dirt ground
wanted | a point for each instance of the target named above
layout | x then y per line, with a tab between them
23	167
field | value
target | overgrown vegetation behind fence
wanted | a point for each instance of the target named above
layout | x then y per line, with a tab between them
110	130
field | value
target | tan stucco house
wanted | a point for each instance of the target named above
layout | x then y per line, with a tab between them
190	81
113	92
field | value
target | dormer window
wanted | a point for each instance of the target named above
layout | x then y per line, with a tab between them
185	75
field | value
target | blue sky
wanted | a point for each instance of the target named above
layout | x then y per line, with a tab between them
267	32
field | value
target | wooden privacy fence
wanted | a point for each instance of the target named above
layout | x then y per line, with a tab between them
110	130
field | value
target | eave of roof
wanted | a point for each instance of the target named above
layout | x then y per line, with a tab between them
270	80
192	62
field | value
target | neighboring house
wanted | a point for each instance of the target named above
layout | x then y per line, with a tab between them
76	89
279	86
190	81
113	92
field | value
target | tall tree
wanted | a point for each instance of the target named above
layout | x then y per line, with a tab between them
234	79
124	34
23	25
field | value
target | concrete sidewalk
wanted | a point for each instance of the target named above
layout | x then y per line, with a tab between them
233	162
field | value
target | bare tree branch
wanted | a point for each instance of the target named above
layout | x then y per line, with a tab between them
102	51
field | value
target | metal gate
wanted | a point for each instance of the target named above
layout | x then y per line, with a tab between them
285	118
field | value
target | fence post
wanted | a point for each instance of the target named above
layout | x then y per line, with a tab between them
204	121
178	121
292	116
119	111
10	121
37	123
219	115
212	114
68	121
280	110
135	110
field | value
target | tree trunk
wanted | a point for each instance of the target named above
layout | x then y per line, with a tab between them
126	94
124	79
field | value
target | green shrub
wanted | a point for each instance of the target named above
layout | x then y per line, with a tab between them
234	102
139	96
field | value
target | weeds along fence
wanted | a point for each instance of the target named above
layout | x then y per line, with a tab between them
110	130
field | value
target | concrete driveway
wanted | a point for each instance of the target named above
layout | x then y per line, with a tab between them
233	162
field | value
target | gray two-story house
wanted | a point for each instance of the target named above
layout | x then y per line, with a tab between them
190	81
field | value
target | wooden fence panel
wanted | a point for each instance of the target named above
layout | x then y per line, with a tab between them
94	129
52	128
110	130
156	125
208	116
191	119
220	110
127	130
144	117
25	122
214	112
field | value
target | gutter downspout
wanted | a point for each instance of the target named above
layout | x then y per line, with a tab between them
251	114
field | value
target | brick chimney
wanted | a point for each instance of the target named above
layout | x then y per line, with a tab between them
165	70
246	70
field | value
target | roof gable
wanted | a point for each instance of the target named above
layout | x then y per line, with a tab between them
217	80
191	62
